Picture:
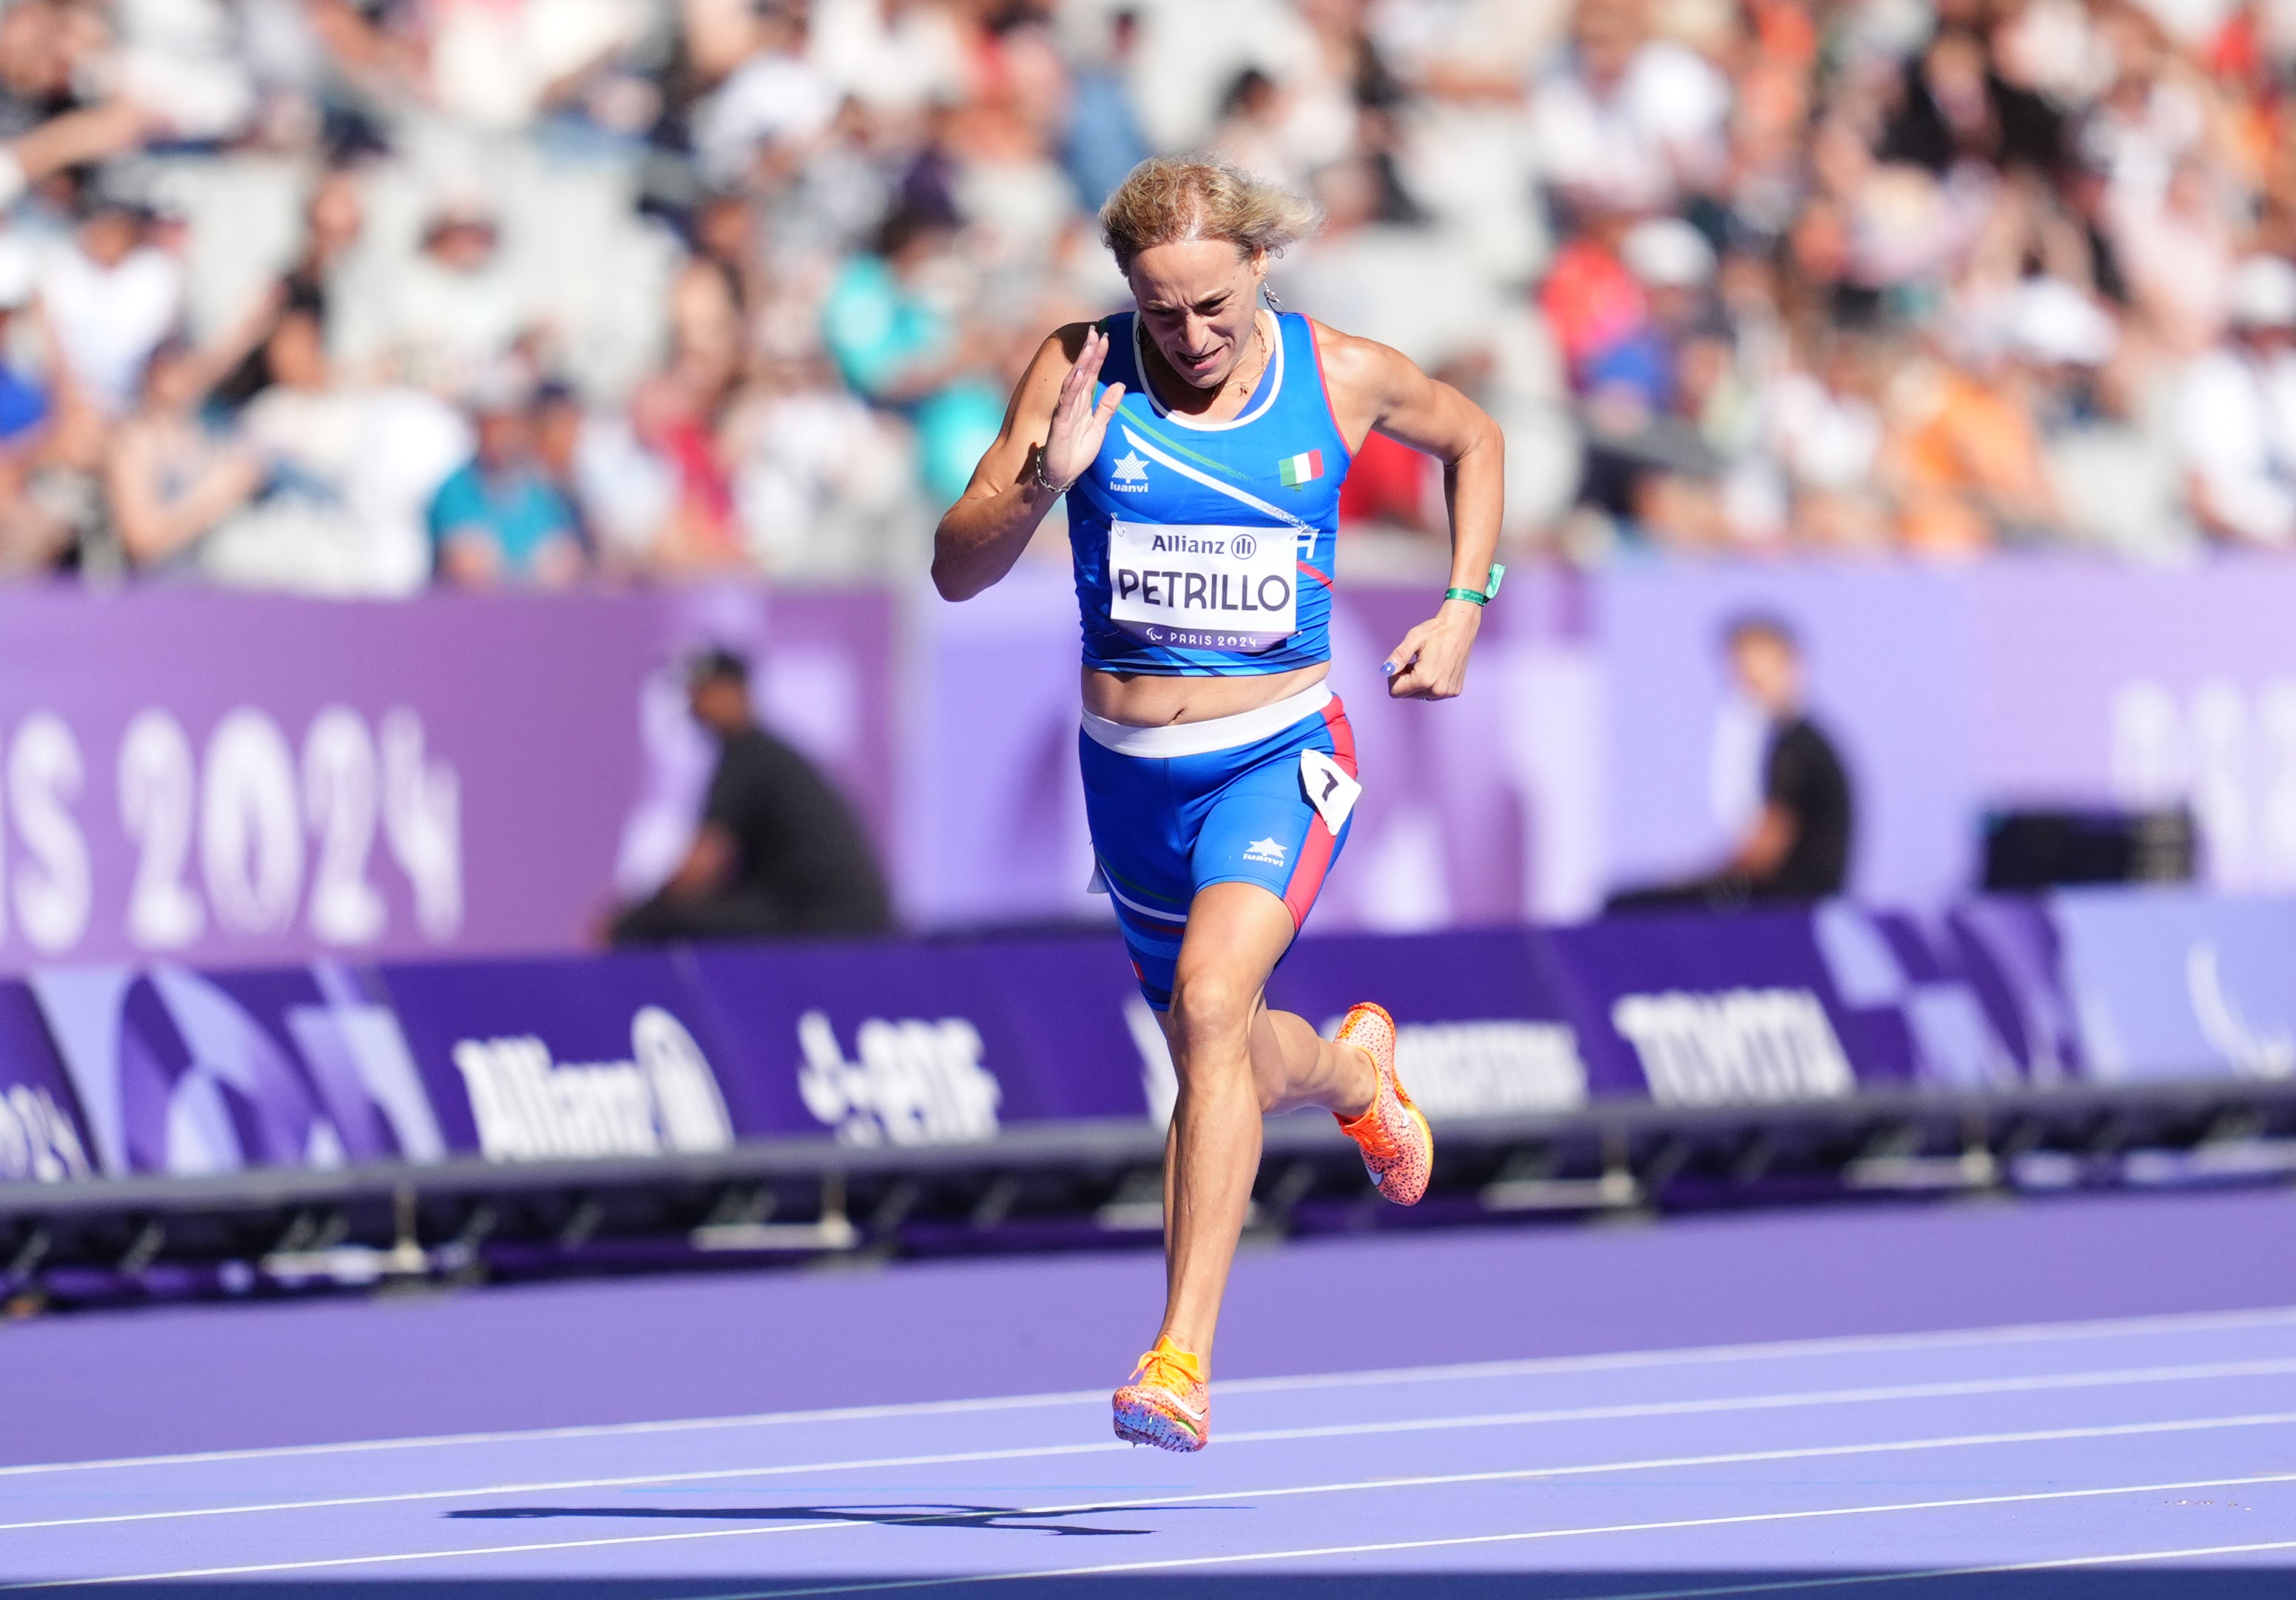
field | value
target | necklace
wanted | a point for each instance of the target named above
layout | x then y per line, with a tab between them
1259	347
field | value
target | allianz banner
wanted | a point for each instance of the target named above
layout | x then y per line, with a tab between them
564	1058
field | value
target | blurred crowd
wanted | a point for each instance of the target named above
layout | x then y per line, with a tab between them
350	297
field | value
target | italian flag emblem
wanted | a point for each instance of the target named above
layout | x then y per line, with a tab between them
1296	469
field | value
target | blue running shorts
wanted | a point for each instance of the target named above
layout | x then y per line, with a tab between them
1169	817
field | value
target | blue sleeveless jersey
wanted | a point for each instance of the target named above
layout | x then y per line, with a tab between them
1206	548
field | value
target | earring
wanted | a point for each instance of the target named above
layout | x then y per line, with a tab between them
1269	295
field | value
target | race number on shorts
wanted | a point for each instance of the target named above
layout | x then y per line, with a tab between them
1329	790
1203	588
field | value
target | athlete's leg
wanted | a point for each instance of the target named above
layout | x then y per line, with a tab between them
1235	1060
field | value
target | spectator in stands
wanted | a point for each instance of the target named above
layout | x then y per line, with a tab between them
334	220
1895	177
1104	142
894	340
1964	459
1632	119
779	853
25	405
1797	846
454	311
822	480
352	472
771	107
34	534
2238	414
170	479
499	521
110	295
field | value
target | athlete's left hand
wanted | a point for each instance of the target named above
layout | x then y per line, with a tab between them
1431	664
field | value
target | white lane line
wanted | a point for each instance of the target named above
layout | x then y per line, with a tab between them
2122	1377
1520	1475
2056	1563
2015	1333
1394	1546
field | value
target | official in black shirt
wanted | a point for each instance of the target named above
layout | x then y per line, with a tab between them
1798	849
779	851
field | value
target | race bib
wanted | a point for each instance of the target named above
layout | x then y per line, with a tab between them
1203	588
1329	790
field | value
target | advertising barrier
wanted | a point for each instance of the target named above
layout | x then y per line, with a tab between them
189	1073
121	1071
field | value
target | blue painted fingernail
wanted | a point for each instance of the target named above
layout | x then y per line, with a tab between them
1388	667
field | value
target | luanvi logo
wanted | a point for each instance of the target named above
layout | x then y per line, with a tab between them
915	1082
529	1108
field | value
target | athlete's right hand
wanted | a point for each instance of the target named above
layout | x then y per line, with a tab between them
1078	425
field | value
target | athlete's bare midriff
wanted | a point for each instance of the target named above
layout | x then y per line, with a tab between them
1156	700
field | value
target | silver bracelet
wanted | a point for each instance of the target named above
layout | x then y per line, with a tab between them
1047	484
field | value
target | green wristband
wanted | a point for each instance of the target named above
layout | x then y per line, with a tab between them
1480	596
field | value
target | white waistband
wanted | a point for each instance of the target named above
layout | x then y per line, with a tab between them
1215	733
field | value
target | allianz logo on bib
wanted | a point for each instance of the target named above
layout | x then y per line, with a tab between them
1241	546
1128	475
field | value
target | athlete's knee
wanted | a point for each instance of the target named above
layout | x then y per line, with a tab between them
1211	1016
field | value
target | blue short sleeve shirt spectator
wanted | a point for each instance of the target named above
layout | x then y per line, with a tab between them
519	510
23	406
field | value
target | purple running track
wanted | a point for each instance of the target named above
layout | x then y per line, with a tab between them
1922	1434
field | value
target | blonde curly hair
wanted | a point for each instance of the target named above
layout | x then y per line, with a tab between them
1175	199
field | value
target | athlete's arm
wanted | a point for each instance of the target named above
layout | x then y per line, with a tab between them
1052	411
1374	388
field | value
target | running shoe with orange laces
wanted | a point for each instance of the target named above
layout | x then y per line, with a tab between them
1398	1148
1167	1404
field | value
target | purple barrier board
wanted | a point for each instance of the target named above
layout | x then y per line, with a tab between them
1482	1022
1665	1006
2168	983
1800	1004
935	1043
189	1073
555	1059
42	1138
124	1070
225	778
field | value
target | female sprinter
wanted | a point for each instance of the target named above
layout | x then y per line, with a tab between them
1203	486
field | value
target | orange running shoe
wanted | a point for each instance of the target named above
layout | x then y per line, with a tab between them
1167	1404
1399	1147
